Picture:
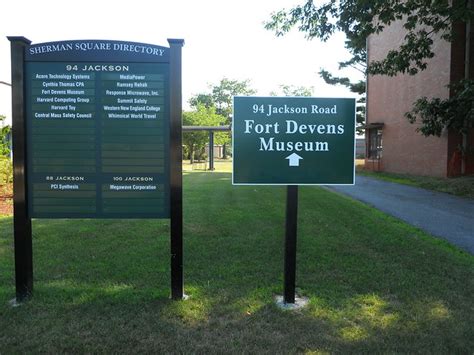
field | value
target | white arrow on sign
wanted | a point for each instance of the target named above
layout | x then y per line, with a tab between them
294	159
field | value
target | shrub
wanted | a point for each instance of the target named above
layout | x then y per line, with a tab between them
6	171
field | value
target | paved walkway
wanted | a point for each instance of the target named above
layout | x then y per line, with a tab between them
442	215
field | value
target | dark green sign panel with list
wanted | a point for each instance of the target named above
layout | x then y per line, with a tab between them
97	123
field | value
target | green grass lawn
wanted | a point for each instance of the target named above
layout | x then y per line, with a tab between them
374	283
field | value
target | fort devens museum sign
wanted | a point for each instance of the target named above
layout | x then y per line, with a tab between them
280	140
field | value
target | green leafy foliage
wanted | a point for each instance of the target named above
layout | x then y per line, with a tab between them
318	22
291	90
6	167
221	96
425	22
225	91
360	18
355	87
358	87
4	138
6	170
202	99
195	142
454	113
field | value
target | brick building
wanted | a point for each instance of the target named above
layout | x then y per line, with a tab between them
393	144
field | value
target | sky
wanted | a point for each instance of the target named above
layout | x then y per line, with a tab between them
223	38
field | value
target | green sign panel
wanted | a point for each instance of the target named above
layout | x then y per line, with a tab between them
293	140
97	118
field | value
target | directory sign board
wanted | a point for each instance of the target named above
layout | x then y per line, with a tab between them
293	140
97	126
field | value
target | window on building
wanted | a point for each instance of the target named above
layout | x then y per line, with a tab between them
375	143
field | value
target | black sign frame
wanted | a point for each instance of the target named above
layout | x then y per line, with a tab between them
117	51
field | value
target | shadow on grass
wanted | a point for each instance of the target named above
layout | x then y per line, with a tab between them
374	283
119	317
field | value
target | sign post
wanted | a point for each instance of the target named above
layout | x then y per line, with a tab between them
291	225
211	150
21	219
293	141
97	134
176	172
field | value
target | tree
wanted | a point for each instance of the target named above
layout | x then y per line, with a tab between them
424	21
283	21
291	90
221	96
195	142
6	167
360	18
224	93
355	87
202	99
